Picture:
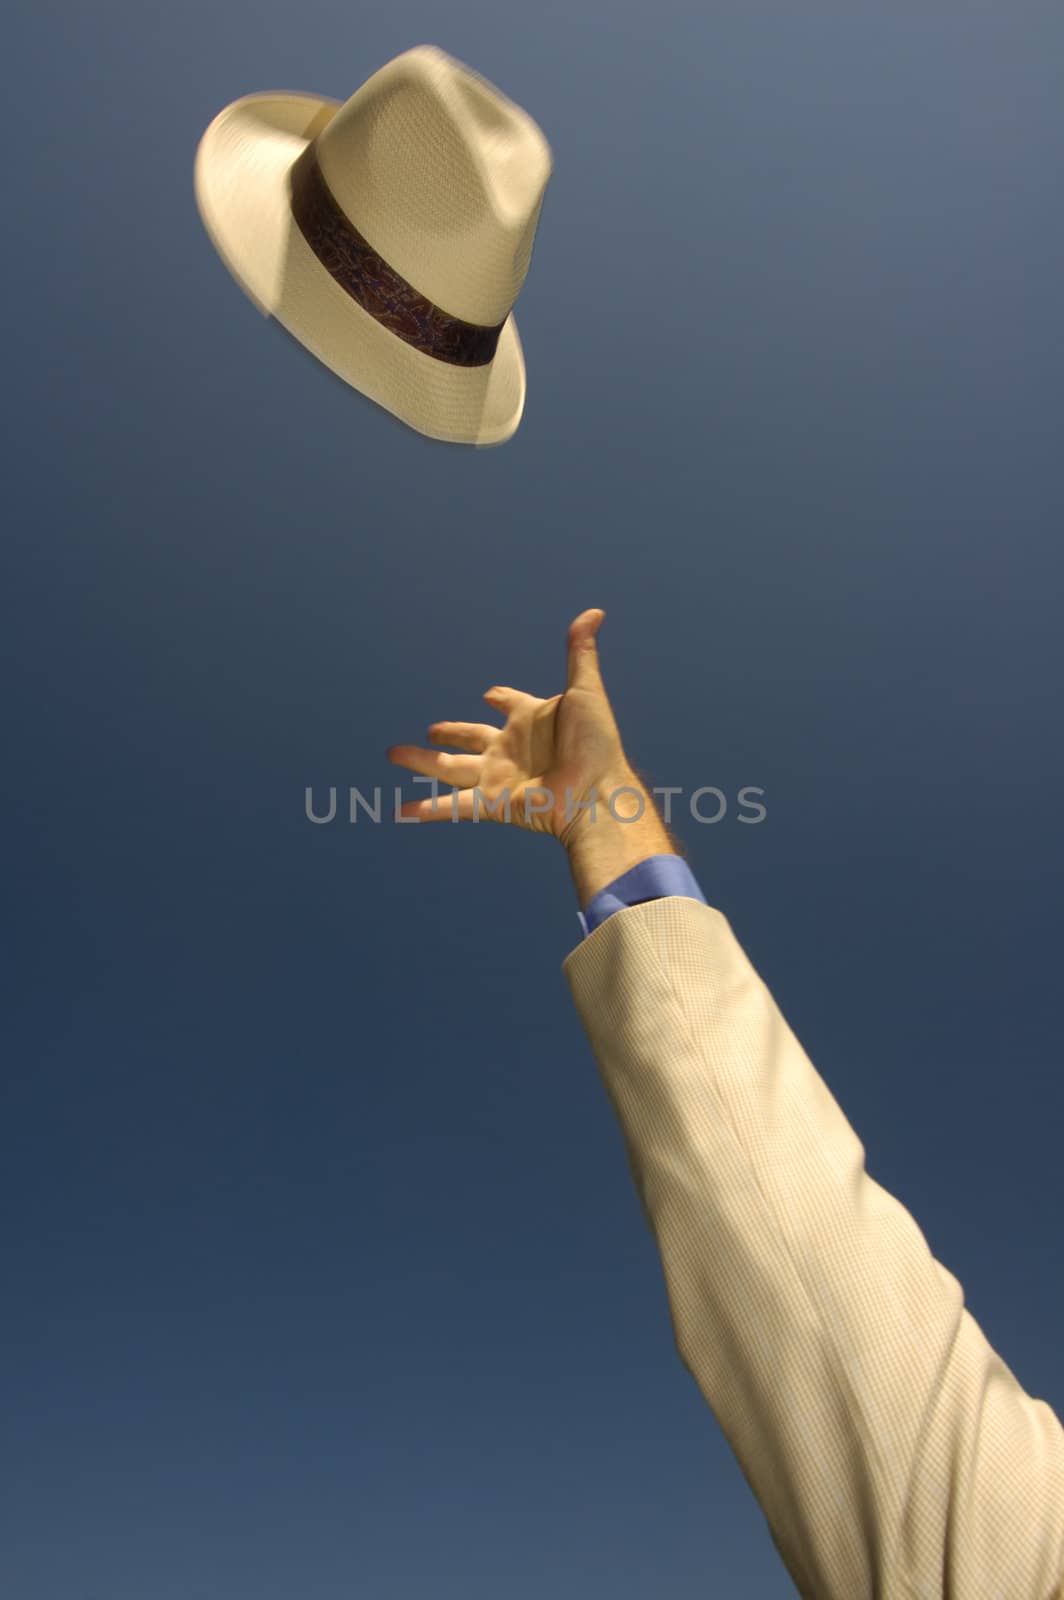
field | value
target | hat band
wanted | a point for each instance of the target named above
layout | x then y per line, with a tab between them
378	288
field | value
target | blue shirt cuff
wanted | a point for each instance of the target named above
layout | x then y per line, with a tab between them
651	879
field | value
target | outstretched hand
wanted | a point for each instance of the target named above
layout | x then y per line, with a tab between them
543	769
539	769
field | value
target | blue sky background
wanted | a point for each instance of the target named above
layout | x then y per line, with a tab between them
323	1271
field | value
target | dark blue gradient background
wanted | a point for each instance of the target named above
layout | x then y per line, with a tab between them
323	1272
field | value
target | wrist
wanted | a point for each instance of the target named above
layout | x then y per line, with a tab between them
624	829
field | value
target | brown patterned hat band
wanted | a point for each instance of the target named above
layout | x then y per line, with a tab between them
376	286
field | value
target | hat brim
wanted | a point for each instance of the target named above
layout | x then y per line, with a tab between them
241	182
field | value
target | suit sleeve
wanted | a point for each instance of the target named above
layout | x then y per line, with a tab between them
892	1451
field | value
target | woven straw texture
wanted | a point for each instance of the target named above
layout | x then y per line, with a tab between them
444	177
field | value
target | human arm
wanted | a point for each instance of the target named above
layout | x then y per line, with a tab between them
894	1454
892	1451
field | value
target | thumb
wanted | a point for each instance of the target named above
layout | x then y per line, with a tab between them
584	672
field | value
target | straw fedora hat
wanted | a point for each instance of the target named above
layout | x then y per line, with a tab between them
390	233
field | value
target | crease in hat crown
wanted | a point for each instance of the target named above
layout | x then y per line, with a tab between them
444	176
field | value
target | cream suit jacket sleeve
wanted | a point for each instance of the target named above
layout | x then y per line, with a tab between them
893	1453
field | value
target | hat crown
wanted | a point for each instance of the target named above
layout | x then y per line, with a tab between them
444	177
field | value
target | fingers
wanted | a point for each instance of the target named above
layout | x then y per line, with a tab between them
456	806
584	671
507	701
474	736
461	771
